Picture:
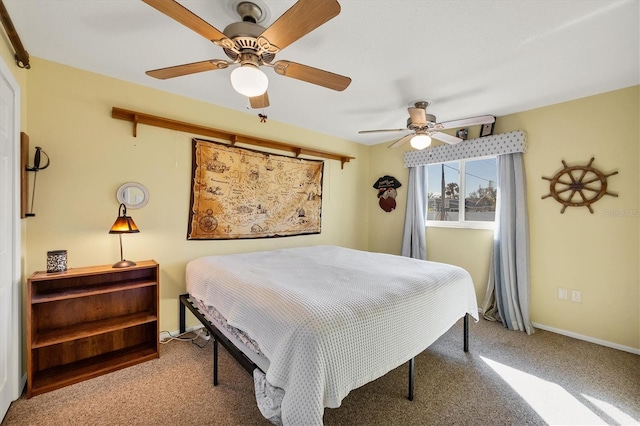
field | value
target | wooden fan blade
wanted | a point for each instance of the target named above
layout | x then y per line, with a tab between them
312	75
401	141
452	140
382	130
176	11
261	101
483	119
301	18
418	116
179	70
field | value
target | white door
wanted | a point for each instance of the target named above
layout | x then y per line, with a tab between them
9	239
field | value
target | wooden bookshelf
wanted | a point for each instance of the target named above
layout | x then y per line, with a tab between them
90	321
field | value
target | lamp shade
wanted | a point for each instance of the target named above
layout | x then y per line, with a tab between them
123	224
420	141
248	80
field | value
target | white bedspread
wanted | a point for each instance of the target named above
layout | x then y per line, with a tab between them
331	319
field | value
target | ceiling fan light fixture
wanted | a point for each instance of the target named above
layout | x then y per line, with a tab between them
420	141
249	81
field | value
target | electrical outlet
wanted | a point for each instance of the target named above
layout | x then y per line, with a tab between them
576	296
563	293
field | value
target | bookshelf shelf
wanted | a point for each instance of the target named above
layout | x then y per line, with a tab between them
90	321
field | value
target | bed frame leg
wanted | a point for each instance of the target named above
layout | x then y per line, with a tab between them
183	326
466	332
412	361
215	362
411	376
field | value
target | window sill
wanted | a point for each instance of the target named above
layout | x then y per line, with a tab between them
461	225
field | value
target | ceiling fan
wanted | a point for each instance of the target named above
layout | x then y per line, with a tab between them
424	127
249	44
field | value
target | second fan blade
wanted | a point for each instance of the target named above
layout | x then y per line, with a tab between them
312	75
261	101
483	119
418	116
401	141
187	18
301	18
195	67
451	140
382	130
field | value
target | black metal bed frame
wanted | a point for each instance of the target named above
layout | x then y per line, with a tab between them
246	363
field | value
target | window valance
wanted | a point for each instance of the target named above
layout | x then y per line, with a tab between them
503	143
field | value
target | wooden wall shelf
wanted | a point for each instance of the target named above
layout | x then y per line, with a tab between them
167	123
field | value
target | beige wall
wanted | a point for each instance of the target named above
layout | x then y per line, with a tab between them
92	154
596	254
68	114
385	232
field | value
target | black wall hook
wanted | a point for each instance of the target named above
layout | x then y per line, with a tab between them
36	168
36	161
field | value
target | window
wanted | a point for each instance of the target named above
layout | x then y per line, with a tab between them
462	193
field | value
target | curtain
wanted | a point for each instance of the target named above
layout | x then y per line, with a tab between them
508	290
414	243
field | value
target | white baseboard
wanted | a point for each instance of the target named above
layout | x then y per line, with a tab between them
587	338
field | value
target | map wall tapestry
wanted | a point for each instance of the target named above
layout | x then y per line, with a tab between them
243	193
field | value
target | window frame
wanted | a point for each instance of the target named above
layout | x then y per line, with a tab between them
462	223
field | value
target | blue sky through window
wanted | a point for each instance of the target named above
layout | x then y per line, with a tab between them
479	174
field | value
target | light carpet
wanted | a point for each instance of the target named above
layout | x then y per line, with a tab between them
507	378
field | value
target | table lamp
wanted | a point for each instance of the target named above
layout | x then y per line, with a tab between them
123	225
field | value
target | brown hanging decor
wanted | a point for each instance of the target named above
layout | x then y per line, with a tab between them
21	55
578	186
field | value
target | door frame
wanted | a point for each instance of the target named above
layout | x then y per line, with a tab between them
14	383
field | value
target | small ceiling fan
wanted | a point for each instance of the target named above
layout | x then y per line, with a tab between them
252	46
424	127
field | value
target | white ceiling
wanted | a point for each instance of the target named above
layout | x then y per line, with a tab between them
468	57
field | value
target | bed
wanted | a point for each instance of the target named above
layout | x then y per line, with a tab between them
324	319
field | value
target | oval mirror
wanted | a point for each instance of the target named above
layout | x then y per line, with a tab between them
133	195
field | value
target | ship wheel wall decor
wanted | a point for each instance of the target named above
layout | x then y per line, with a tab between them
578	186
